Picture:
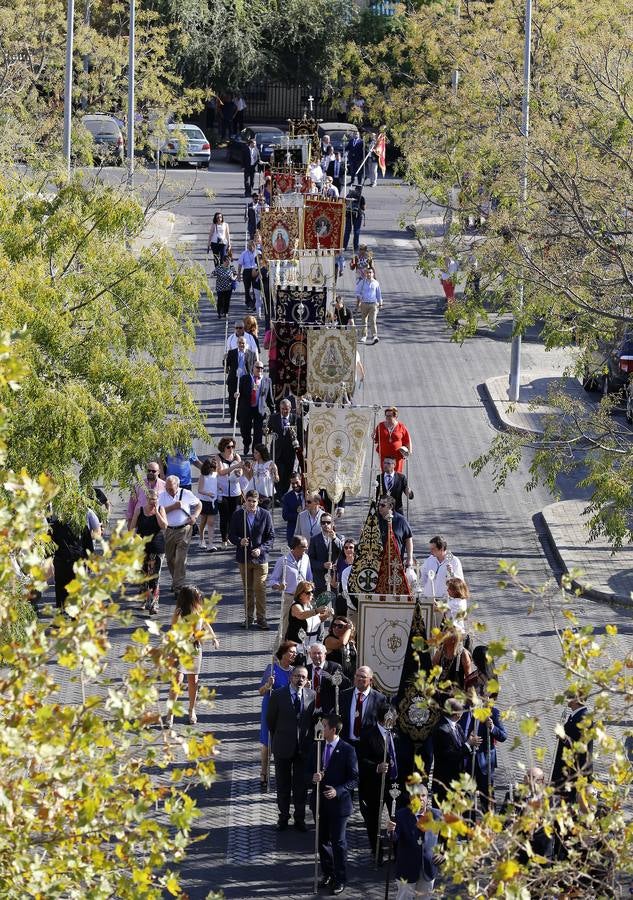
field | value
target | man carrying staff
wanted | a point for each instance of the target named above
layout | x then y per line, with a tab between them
252	534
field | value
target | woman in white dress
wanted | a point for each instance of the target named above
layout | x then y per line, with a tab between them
189	606
219	238
263	475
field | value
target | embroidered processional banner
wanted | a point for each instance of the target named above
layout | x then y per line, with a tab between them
307	268
337	442
323	224
331	362
284	182
287	360
416	716
384	624
367	557
391	577
280	233
303	306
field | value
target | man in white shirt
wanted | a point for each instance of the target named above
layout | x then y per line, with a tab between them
368	302
251	161
249	340
360	705
438	568
182	508
288	572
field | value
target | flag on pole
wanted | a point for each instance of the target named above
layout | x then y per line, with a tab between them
380	149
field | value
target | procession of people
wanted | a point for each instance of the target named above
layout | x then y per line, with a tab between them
334	741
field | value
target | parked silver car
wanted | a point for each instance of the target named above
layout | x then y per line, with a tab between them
106	134
196	153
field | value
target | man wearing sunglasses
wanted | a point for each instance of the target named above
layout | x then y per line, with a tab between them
309	520
240	332
324	551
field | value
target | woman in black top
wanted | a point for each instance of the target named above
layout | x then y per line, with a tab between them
150	521
225	278
340	646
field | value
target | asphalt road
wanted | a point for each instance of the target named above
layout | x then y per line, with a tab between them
436	385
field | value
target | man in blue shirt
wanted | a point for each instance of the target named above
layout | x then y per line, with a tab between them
180	464
246	270
368	302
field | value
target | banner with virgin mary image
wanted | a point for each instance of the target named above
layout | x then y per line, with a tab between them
337	443
287	360
323	224
331	362
280	233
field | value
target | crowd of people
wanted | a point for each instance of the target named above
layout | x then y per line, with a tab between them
333	738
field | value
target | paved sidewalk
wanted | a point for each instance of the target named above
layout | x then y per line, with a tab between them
601	573
528	413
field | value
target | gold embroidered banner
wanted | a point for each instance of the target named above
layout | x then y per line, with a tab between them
338	439
331	362
368	556
280	233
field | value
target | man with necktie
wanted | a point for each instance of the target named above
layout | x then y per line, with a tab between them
287	431
239	362
336	781
392	484
255	399
289	720
376	755
359	706
252	534
320	673
452	751
335	170
250	162
355	153
564	774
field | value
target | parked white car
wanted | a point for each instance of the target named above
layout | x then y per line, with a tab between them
197	151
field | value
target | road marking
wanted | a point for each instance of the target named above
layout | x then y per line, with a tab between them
190	238
406	243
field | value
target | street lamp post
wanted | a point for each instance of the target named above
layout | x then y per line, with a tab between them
515	356
68	84
130	98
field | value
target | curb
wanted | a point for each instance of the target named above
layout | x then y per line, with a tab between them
504	421
585	589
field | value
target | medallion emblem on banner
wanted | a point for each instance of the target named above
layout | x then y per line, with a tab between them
323	224
300	305
331	362
338	439
280	233
287	361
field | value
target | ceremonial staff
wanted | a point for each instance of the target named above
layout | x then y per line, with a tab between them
390	721
389	539
237	400
491	800
276	644
245	543
224	388
337	680
394	793
406	471
318	737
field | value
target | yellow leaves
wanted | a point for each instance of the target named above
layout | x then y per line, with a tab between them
140	636
529	727
611	630
172	885
506	870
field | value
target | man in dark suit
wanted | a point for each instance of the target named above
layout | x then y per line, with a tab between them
335	169
376	754
289	718
324	550
451	749
250	163
392	484
320	674
239	362
252	534
292	503
359	706
494	729
355	154
255	401
564	774
417	856
336	780
287	431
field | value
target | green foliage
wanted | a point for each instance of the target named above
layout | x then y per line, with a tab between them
85	809
105	339
492	856
448	82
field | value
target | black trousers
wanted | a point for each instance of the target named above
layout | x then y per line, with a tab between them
227	507
333	845
223	299
291	781
64	574
370	805
249	178
251	427
247	278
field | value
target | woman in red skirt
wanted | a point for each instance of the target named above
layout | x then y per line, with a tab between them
392	439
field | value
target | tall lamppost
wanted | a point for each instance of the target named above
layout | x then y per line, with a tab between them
130	99
515	356
68	85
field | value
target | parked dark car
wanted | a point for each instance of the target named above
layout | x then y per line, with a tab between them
612	368
108	140
339	132
266	136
